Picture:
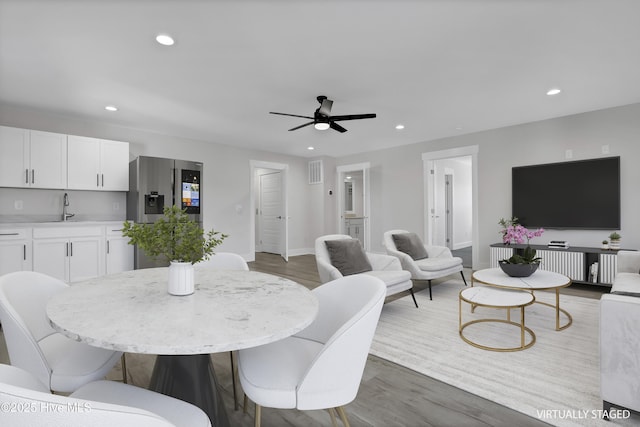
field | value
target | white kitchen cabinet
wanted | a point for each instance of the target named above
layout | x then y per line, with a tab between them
69	253
97	164
15	250
119	251
30	158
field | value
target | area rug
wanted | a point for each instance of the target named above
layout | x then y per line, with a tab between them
557	380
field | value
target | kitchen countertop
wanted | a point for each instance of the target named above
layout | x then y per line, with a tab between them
37	224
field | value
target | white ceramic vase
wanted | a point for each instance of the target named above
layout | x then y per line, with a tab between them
181	278
614	244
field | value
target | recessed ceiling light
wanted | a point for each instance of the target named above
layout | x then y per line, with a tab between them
553	91
348	177
111	108
399	126
165	39
310	148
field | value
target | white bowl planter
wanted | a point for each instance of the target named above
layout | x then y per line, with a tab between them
181	278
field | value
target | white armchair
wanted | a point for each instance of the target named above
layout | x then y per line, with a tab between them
384	267
439	263
98	404
320	367
60	363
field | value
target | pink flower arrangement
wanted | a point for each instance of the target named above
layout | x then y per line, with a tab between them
517	233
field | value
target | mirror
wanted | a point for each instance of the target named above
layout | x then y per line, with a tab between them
348	196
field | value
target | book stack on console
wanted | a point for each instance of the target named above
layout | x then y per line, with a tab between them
559	244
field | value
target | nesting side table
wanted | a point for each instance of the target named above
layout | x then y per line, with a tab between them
480	296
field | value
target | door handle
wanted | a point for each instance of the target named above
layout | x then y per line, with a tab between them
279	217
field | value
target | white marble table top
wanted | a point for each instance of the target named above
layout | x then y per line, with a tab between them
541	279
229	310
494	297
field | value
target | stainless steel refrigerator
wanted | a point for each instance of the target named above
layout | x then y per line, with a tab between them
156	182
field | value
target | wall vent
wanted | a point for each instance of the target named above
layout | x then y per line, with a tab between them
315	172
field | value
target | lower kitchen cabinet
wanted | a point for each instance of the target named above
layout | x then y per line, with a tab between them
67	251
119	252
70	254
15	250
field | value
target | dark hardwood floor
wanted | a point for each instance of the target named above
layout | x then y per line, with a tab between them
390	395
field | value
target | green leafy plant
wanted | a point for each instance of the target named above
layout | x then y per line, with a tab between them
605	242
614	236
174	237
528	257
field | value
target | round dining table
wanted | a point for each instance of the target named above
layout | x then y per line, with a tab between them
229	310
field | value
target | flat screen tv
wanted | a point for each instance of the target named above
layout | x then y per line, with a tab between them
582	194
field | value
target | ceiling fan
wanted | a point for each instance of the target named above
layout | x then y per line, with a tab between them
322	118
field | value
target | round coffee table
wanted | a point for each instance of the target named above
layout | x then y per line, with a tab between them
497	298
538	281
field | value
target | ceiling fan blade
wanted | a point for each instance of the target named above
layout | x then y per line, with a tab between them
325	108
292	115
301	126
337	127
353	117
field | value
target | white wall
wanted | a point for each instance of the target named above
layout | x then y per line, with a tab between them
397	190
396	175
226	177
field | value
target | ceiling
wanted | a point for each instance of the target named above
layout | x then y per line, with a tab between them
439	67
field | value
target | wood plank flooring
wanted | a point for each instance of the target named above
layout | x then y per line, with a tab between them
390	395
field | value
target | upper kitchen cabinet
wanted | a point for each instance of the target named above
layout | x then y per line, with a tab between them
30	158
97	164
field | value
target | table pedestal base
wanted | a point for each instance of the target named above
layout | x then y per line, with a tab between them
191	378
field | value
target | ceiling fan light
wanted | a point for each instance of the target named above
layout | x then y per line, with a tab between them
165	39
321	126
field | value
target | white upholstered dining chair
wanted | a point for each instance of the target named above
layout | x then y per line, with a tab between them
223	261
320	367
424	262
347	257
226	261
96	404
60	363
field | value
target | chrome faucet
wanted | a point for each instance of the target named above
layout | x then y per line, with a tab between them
65	203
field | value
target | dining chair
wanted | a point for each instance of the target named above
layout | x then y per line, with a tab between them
96	404
223	261
339	255
320	367
60	363
226	261
424	262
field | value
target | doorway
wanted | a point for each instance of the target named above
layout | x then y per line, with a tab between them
270	221
450	184
353	202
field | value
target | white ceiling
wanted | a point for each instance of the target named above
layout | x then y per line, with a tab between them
440	67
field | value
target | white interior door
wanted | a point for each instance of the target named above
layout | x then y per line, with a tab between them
271	213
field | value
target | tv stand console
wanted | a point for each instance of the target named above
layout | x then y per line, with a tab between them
593	266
